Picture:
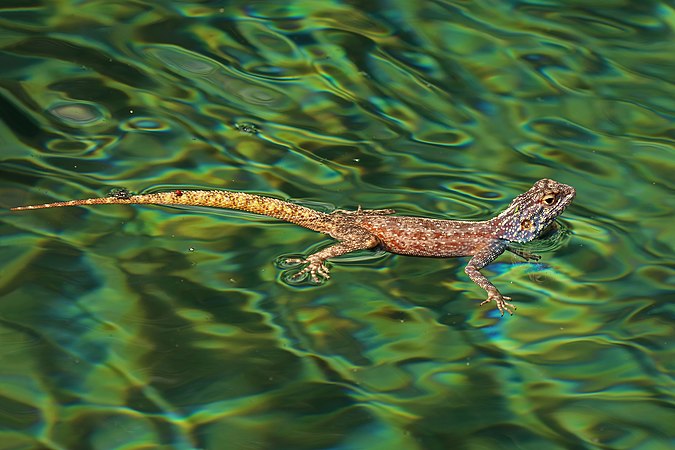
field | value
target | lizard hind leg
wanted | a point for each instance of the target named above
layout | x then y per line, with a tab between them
350	241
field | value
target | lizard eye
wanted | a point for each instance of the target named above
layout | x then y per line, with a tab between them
548	199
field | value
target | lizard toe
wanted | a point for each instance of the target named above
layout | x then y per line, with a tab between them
317	270
501	301
294	261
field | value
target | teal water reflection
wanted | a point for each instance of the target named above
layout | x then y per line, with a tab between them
149	327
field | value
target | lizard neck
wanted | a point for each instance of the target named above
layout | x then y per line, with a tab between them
503	228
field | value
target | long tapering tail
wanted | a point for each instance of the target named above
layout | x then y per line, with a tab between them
267	206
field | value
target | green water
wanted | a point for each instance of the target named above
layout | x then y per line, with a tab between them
147	327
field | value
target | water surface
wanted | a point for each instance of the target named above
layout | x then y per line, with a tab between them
151	327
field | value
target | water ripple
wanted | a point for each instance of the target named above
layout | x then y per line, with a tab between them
179	327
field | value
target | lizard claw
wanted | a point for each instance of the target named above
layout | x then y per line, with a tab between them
315	268
501	301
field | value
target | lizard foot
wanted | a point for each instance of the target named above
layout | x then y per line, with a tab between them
527	256
501	301
314	268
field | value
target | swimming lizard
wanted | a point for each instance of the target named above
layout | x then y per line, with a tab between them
528	215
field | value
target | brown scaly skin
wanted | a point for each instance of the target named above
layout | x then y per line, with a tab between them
527	216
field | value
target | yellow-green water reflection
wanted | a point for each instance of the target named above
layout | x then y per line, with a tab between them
132	327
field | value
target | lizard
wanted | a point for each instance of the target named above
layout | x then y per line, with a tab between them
526	218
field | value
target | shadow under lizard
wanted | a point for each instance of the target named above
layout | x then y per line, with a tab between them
527	217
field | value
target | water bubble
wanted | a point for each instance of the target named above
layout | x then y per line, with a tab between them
120	193
144	124
258	95
184	61
76	113
250	92
74	146
247	127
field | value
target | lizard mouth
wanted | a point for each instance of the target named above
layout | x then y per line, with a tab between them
570	196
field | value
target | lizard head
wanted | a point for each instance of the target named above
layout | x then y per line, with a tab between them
531	213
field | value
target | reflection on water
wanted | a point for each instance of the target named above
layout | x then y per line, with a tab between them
132	327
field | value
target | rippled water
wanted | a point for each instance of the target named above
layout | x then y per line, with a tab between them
146	327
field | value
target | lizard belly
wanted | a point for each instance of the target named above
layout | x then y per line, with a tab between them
426	237
426	244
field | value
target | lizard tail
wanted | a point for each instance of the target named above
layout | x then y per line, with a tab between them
267	206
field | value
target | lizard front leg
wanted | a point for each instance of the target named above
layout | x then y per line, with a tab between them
527	256
350	240
480	259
